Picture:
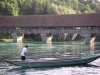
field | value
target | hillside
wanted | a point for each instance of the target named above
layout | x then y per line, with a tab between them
44	7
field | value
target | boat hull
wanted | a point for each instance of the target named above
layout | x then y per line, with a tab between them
56	63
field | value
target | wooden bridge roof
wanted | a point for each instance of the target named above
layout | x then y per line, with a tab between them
68	20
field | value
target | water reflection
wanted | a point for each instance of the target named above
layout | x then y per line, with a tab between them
92	48
71	70
19	46
49	48
76	50
38	50
62	50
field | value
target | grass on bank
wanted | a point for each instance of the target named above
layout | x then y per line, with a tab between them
6	40
11	40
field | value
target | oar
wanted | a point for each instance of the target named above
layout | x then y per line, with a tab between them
29	65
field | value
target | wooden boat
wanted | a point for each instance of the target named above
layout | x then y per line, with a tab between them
55	62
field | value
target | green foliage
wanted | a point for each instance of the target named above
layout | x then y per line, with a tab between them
9	7
4	36
2	6
41	7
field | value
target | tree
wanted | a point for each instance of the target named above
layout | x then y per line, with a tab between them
60	9
87	9
42	7
21	6
46	5
9	7
53	9
2	7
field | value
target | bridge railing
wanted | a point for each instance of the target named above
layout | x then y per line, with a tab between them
53	31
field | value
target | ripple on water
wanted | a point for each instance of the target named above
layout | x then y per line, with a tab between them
39	48
92	68
76	70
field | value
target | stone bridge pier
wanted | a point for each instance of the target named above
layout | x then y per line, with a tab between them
46	38
89	38
17	37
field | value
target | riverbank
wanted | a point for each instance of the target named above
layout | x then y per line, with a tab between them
6	40
11	40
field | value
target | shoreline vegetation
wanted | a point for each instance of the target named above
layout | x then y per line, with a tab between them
11	40
6	40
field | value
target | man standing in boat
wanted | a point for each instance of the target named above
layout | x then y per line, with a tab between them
23	53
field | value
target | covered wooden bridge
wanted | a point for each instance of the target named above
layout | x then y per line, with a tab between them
45	24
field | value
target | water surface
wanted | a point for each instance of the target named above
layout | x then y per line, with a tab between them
36	50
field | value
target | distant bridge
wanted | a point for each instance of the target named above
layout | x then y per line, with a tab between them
46	25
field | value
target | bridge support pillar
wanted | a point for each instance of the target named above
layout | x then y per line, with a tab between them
65	35
93	36
47	38
74	36
92	39
17	37
88	39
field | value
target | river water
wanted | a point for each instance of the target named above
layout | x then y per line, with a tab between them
36	50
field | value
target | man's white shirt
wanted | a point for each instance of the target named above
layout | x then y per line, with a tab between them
23	51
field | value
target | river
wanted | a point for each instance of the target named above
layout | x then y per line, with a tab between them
11	51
